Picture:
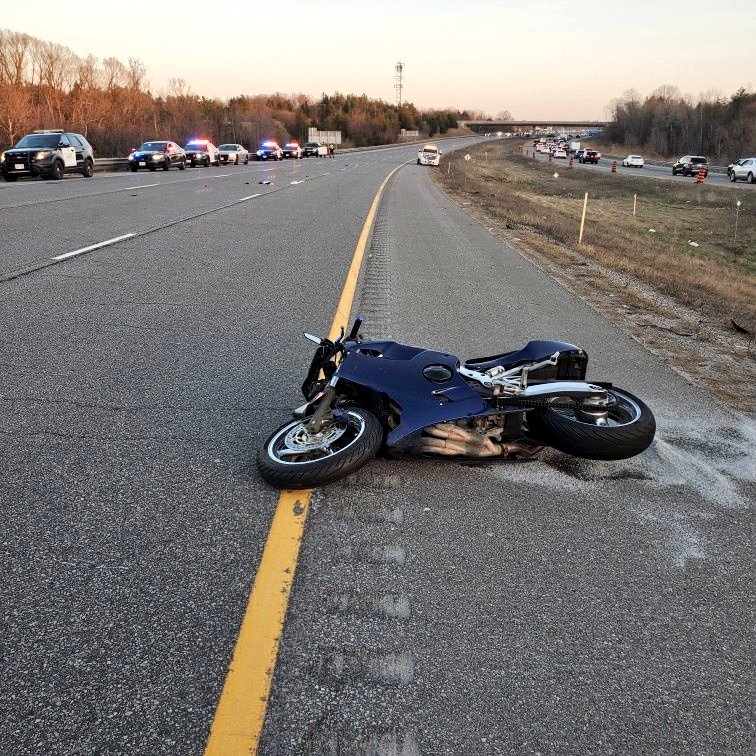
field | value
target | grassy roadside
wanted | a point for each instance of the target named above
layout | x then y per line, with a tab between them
678	298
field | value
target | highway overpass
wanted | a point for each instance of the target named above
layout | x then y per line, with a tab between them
484	127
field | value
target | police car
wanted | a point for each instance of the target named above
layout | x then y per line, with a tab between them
201	152
49	153
429	155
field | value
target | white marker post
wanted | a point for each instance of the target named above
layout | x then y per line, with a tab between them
582	221
635	201
737	213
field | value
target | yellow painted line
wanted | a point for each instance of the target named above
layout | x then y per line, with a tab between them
240	715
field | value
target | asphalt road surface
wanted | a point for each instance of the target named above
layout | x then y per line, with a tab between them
549	607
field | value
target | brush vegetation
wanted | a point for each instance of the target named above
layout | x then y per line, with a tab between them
681	240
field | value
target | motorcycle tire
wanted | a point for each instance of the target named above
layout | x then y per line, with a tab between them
358	441
631	429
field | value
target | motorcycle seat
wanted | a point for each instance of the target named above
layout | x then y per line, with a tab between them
533	351
486	363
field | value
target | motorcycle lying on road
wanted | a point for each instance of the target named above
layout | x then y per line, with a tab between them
364	396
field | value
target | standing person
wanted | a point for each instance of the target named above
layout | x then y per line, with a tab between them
332	148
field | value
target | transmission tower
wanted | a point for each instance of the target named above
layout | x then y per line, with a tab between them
399	82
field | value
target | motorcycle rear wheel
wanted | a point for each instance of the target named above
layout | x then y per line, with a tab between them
294	458
628	429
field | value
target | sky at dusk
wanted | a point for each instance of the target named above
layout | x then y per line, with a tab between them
536	59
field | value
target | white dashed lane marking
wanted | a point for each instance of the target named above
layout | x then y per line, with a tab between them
81	251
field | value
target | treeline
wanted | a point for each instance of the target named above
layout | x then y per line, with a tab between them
671	124
46	85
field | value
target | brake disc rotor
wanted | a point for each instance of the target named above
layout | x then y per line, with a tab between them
301	440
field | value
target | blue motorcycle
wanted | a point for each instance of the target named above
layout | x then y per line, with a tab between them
364	396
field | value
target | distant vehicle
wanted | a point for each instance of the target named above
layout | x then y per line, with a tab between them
269	151
49	154
201	152
744	169
292	150
154	155
233	153
633	161
560	152
732	165
590	156
429	155
578	154
690	165
313	149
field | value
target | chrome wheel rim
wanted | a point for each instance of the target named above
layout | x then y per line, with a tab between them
619	410
295	445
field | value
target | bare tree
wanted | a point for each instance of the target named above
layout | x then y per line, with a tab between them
15	58
16	113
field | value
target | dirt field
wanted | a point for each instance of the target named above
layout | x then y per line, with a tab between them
673	274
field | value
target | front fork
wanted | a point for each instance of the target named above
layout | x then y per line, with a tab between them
324	406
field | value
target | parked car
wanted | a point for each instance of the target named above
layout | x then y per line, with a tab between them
744	169
233	153
429	154
590	156
154	155
690	165
201	152
633	161
292	150
269	151
50	154
313	149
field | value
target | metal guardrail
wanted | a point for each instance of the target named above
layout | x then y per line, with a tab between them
111	164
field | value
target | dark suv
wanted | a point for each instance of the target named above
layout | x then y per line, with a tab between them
49	154
690	165
311	149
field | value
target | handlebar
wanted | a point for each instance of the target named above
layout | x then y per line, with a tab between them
355	332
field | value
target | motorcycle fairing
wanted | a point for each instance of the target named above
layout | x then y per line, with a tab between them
396	370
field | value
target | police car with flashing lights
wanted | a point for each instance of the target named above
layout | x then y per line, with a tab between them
154	155
50	154
201	152
269	151
292	150
429	155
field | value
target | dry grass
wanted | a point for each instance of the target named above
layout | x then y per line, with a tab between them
677	299
717	277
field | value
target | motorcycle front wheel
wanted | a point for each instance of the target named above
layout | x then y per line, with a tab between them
293	457
625	430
